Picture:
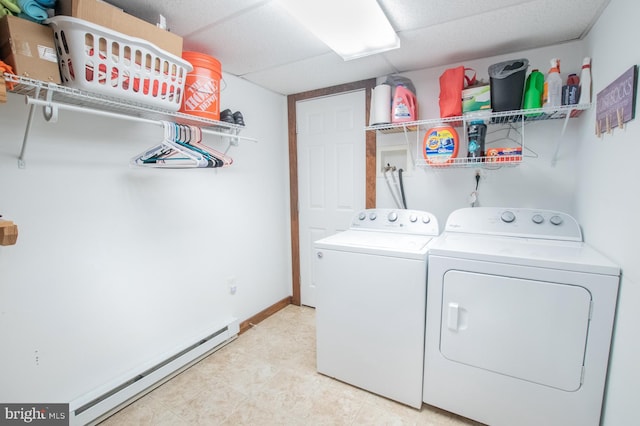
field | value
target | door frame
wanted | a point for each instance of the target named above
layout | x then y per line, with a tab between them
370	166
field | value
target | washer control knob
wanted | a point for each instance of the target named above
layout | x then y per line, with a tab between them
508	217
392	216
413	218
373	216
362	216
426	218
537	218
556	220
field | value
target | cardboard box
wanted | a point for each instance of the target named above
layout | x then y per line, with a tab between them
8	233
476	98
494	155
29	48
101	13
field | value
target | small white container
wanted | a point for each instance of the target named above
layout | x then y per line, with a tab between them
585	82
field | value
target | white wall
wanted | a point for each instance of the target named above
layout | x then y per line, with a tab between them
607	201
116	265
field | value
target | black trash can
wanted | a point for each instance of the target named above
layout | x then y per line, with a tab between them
507	84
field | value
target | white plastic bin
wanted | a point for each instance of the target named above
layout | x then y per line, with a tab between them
99	60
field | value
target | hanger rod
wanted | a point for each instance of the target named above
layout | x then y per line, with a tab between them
50	108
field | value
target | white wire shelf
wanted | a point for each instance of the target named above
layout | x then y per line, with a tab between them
41	90
501	117
53	97
483	162
512	119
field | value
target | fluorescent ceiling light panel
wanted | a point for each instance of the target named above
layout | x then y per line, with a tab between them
352	28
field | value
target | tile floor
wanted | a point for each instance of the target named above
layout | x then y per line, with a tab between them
268	377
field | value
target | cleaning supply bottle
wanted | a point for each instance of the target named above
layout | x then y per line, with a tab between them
585	82
571	90
404	106
534	88
553	85
476	133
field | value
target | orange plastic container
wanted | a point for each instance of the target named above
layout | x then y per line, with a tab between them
202	88
440	145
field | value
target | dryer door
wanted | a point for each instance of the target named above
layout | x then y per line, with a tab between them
523	328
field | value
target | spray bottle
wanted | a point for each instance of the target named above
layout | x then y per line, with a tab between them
553	85
585	82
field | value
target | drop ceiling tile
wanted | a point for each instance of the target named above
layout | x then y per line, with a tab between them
186	16
459	41
319	72
412	14
261	38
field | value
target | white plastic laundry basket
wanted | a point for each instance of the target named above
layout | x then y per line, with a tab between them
99	60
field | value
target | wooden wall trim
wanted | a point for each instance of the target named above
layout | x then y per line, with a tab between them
293	199
264	314
370	167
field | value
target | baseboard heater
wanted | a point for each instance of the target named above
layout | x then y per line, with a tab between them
96	406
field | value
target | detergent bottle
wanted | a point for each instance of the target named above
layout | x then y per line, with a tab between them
553	85
404	106
534	89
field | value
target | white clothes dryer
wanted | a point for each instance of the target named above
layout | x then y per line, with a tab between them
371	286
519	319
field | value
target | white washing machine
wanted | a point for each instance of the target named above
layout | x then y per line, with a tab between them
371	285
519	319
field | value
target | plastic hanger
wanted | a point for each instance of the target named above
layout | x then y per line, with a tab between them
188	136
196	142
171	152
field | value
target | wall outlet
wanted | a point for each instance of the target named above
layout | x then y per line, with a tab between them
231	282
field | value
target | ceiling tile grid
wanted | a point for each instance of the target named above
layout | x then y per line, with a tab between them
258	41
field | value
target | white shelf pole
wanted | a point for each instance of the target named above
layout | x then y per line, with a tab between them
25	138
554	159
55	105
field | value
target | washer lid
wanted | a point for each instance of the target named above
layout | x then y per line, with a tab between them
553	254
381	243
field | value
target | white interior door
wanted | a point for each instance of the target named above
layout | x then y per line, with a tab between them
331	172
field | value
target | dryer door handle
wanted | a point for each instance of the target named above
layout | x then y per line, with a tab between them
453	316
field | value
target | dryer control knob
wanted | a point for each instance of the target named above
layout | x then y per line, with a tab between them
426	219
508	217
413	218
537	218
393	216
556	220
362	216
373	215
